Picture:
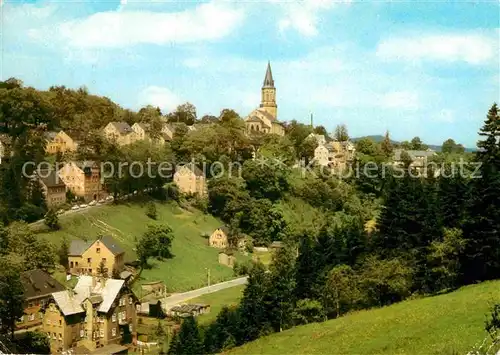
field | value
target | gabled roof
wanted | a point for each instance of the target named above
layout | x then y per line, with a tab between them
77	247
108	290
193	168
50	135
413	153
112	245
37	283
50	179
268	79
224	229
143	125
122	127
68	302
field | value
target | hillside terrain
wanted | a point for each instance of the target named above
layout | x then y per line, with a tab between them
125	222
379	138
451	323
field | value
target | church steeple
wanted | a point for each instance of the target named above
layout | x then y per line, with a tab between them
268	80
268	99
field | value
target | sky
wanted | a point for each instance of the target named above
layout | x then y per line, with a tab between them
415	68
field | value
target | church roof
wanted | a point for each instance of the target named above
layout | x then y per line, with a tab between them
268	80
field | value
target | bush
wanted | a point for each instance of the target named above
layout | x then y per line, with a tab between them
151	210
51	220
173	192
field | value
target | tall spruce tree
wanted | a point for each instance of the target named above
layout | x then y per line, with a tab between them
307	269
188	341
482	230
11	297
281	294
254	316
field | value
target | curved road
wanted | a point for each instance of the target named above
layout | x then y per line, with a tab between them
177	298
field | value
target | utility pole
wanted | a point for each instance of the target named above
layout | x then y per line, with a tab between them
208	276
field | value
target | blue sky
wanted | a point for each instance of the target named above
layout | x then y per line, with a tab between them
416	68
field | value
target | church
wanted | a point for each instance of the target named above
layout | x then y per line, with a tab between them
263	120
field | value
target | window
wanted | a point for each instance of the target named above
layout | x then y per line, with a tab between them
76	263
113	317
113	332
60	322
89	260
81	333
98	250
48	321
104	260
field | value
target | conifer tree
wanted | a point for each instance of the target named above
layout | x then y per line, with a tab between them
188	341
307	269
254	305
281	294
482	230
11	298
386	145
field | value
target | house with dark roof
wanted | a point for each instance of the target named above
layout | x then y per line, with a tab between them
219	238
92	317
191	180
54	188
86	257
417	158
120	132
38	288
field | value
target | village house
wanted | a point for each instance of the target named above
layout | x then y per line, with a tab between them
142	133
38	287
418	158
54	188
219	238
264	120
83	179
191	180
97	315
60	142
119	132
320	138
85	257
334	154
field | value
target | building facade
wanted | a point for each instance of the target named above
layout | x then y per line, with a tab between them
119	132
38	288
84	258
83	179
98	312
54	188
191	180
219	238
60	142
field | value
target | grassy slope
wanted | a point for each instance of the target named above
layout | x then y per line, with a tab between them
228	297
446	324
125	222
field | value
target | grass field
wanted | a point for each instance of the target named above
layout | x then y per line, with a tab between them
125	222
446	324
217	300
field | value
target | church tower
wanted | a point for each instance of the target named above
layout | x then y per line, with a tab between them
268	100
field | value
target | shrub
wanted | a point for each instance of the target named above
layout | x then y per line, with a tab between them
151	210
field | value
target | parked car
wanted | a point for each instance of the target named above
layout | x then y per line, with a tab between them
84	206
75	207
93	203
102	200
109	198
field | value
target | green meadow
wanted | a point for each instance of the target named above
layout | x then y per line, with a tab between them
125	222
450	323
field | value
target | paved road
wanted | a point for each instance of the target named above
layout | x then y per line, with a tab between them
178	298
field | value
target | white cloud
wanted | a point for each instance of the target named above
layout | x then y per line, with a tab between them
467	47
159	96
122	28
398	99
303	16
445	115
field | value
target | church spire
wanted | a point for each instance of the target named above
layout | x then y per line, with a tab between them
268	80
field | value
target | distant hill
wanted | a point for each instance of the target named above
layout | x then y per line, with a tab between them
379	138
451	323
